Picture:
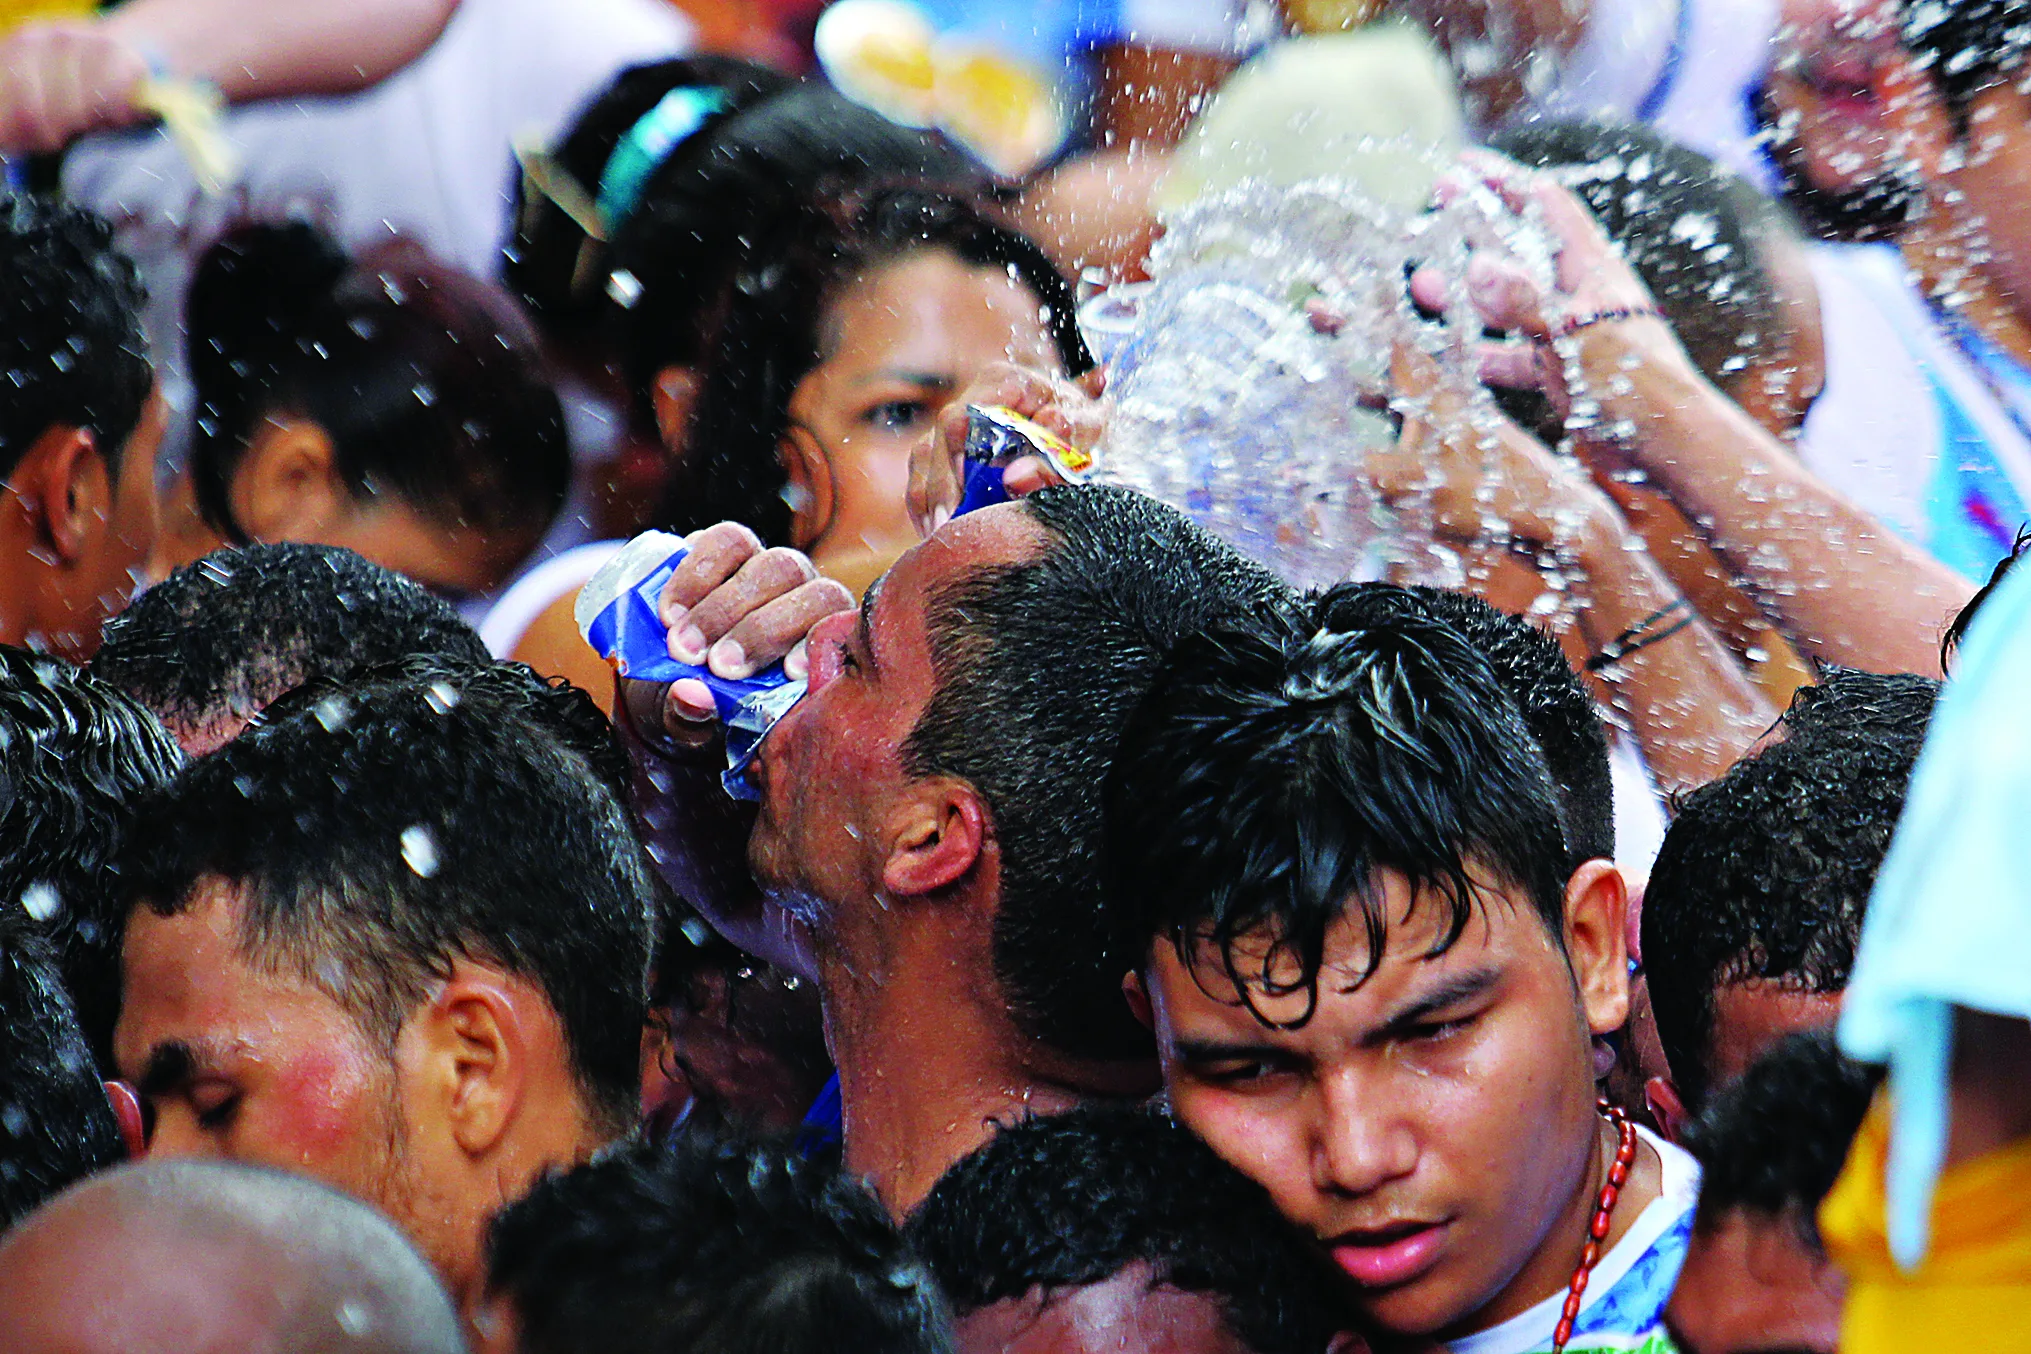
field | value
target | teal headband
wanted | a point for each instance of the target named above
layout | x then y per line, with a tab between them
647	145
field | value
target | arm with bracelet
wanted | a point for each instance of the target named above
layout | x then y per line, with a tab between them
1650	654
1837	581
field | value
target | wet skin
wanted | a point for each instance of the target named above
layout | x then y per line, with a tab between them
1390	1124
236	1063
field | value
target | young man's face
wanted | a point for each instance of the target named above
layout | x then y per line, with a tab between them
238	1063
1432	1126
832	767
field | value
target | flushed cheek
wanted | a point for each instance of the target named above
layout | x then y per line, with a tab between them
321	1103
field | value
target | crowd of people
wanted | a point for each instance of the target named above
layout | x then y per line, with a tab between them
1110	944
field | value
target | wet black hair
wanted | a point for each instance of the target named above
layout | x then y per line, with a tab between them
220	638
1957	632
1689	228
1069	1200
1280	764
1038	666
1967	47
428	382
373	834
771	332
770	144
1533	669
77	757
710	1248
72	354
1773	1141
1765	873
56	1126
1879	707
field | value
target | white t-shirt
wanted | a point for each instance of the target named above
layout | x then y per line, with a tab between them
1922	422
1624	1304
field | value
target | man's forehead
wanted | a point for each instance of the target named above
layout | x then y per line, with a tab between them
1003	534
1262	971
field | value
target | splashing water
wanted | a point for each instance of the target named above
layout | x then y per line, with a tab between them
1252	372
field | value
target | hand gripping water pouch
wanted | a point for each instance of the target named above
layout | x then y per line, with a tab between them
618	615
994	437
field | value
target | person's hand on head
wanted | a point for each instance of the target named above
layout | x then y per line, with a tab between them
1595	294
735	606
1073	409
60	80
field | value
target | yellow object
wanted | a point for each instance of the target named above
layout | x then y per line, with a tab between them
195	116
887	55
14	13
1973	1291
1000	107
1329	16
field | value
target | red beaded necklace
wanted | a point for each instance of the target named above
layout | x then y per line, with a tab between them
1597	1231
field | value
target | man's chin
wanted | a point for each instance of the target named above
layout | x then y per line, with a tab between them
1426	1308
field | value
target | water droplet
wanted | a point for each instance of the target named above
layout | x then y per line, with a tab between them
41	900
419	850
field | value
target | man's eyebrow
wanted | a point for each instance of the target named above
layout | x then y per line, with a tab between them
1221	1050
171	1065
1454	990
930	380
867	605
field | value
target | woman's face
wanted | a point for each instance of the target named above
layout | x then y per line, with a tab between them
898	343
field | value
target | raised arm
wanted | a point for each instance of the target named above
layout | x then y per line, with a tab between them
1836	581
62	79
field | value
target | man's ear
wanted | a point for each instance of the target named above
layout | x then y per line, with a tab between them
936	834
287	487
1667	1107
812	501
674	394
1138	999
68	488
472	1042
1597	943
127	1113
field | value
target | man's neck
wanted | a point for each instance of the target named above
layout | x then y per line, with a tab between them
931	1061
1948	255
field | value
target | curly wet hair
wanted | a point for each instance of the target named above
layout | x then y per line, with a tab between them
709	1247
1068	1200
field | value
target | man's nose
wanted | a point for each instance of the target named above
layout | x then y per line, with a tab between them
177	1135
1362	1141
823	645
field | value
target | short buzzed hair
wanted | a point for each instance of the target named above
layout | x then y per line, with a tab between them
1039	665
373	834
346	1281
220	638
